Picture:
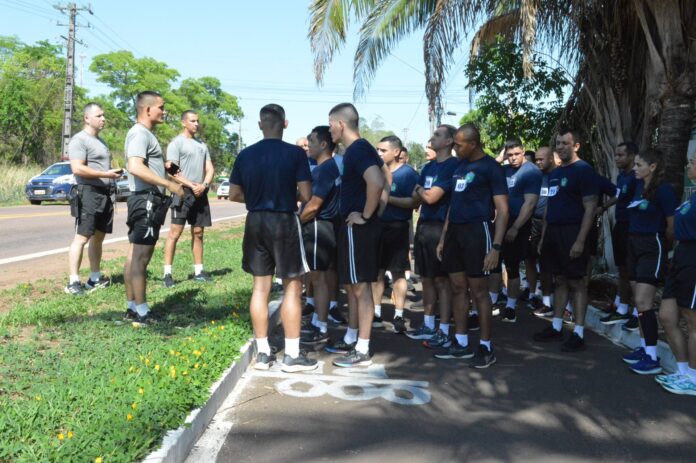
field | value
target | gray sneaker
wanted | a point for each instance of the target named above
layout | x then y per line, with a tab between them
455	351
353	359
421	333
75	289
168	280
264	361
202	277
299	363
437	341
483	358
102	282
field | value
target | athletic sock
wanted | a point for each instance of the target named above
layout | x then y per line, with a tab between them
279	281
462	339
557	323
407	274
635	312
332	304
622	309
399	313
323	326
74	279
351	336
167	270
292	347
315	319
494	297
504	290
642	343
262	346
473	311
651	351
691	373
648	322
444	327
580	331
617	300
378	310
682	367
130	305
486	343
94	276
511	303
197	269
429	321
310	301
569	307
142	309
363	346
546	300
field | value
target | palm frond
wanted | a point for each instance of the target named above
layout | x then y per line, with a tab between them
506	25
528	15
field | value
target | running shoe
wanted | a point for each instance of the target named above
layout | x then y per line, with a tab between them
535	302
498	307
353	359
525	295
148	319
509	315
74	288
647	366
315	336
454	351
399	325
613	318
299	363
635	356
203	277
130	315
168	281
339	346
307	310
632	324
377	322
474	324
336	317
483	358
306	325
548	334
421	333
102	282
673	378
684	387
264	361
544	311
439	340
568	317
573	344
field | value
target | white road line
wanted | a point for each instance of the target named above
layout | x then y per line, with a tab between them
36	255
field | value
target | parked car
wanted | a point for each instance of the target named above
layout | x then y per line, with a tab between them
223	190
122	188
53	184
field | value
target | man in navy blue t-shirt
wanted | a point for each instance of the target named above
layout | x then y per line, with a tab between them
320	218
267	176
468	248
394	241
570	213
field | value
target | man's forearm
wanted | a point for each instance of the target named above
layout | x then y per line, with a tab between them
147	176
501	220
373	195
525	214
404	203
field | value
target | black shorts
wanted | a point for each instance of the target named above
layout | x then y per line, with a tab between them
319	238
647	258
681	277
619	242
466	247
555	252
358	249
195	211
142	226
535	231
514	253
273	244
425	249
96	211
394	246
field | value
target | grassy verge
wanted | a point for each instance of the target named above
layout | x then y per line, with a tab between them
14	178
79	384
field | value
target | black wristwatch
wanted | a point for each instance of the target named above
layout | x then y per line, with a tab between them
497	247
366	219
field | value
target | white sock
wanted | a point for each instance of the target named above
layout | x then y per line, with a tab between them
310	301
351	336
279	281
580	331
398	313
682	367
486	343
557	323
378	310
315	319
462	339
407	274
74	279
473	311
569	307
323	326
130	305
511	303
538	291
167	269
494	297
429	321
622	309
292	347
197	269
94	276
651	351
635	312
546	300
504	290
262	346
142	309
642	343
363	346
388	274
691	374
617	300
332	304
444	327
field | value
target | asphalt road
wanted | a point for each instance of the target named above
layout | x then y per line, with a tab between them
28	230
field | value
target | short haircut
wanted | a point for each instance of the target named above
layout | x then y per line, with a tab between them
575	133
451	130
187	112
272	114
513	142
91	106
529	154
324	135
631	147
394	142
404	149
471	127
145	99
347	113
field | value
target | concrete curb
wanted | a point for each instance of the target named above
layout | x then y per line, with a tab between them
177	444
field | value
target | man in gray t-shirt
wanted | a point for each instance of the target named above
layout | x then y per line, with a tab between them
92	206
148	180
191	156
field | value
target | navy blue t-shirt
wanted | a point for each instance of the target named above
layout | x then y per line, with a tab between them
268	172
324	186
474	185
626	183
522	181
404	180
606	188
543	197
649	217
359	157
437	174
567	186
685	220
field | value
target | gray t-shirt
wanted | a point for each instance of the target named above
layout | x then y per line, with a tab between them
141	143
190	155
85	147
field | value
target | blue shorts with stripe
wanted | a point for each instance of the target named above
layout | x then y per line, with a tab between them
358	252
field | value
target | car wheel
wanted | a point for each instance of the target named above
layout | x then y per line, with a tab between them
35	202
219	197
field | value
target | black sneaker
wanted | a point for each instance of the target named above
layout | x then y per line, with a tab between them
614	318
454	352
307	310
130	315
438	341
353	359
543	311
202	277
509	315
313	337
483	358
632	324
568	317
399	325
168	281
339	346
377	322
498	307
148	319
525	295
75	289
264	361
548	334
535	302
306	325
299	363
102	282
474	324
573	344
336	317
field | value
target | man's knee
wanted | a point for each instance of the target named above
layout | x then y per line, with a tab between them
197	233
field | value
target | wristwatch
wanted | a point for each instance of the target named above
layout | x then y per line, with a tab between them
497	246
206	184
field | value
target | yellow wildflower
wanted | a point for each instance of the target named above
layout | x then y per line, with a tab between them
130	370
134	406
197	353
157	367
129	417
38	397
212	322
141	391
184	373
202	348
172	371
195	367
70	434
61	436
171	351
147	362
99	460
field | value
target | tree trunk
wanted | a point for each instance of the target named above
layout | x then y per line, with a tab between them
674	134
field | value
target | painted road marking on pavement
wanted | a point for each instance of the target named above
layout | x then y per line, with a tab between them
36	255
32	215
349	384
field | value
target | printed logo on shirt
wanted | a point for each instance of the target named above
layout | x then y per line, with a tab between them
684	208
428	182
460	185
393	187
564	182
624	189
643	205
511	182
470	177
544	191
553	191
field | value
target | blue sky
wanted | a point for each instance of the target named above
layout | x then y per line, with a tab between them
258	50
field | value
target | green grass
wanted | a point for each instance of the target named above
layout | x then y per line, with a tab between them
78	384
14	178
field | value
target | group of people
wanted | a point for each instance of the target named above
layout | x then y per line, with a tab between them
336	213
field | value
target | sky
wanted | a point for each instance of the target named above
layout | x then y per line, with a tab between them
260	52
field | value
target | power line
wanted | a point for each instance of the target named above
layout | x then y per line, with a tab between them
31	12
124	41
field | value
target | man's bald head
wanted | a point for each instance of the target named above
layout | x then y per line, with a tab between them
544	159
346	113
471	133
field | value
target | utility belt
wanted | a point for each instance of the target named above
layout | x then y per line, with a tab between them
185	203
156	206
77	192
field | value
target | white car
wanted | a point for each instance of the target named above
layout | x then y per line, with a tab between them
223	190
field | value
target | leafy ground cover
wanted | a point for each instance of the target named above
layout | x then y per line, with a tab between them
77	383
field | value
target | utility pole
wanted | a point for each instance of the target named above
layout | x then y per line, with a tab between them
71	9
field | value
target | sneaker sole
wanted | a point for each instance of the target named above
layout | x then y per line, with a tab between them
486	365
453	357
543	314
441	346
67	291
677	391
313	341
331	350
298	368
364	363
478	328
262	366
377	324
612	322
335	322
507	320
630	362
654	371
629	329
419	337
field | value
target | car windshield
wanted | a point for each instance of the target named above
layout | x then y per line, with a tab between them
58	169
225	184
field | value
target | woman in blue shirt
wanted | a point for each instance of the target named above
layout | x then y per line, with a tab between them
651	229
679	296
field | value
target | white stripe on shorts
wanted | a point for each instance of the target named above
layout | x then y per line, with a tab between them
488	242
659	255
302	250
351	256
693	299
316	238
